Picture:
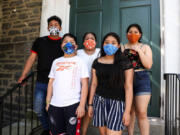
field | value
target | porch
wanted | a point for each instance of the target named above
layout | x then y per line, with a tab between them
157	127
17	116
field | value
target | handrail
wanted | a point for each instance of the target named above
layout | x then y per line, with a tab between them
11	102
16	86
167	74
172	101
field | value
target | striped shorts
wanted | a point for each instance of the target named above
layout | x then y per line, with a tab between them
108	112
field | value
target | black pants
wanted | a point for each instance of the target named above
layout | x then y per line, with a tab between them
63	120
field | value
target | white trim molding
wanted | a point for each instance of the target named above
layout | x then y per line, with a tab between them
171	36
170	43
60	8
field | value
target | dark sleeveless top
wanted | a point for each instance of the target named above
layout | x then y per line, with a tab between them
134	58
104	77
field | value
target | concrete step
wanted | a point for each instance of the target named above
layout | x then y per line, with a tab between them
14	128
157	127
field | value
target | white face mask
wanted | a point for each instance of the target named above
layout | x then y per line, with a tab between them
61	34
54	31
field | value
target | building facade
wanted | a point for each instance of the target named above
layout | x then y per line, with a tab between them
24	20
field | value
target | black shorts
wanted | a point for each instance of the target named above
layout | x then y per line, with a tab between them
63	120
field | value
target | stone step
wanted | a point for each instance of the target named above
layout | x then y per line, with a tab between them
14	128
156	128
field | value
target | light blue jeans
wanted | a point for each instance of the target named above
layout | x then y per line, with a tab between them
40	104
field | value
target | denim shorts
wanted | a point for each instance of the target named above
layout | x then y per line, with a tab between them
141	84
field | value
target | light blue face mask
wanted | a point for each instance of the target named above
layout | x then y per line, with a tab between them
110	49
69	48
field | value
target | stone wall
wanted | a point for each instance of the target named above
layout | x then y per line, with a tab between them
20	27
20	21
0	18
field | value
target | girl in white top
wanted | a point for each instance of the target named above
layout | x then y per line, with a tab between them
88	54
67	90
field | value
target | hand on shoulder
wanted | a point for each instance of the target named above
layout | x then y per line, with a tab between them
122	47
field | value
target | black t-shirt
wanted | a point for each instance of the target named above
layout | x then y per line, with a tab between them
47	49
104	77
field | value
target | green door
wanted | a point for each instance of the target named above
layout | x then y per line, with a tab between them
103	16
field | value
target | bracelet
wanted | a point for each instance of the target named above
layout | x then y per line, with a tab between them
90	104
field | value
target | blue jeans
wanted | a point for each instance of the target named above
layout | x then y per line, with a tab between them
40	104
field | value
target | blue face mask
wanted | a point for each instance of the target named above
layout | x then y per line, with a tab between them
69	48
110	49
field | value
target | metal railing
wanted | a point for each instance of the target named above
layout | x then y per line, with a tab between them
16	109
172	104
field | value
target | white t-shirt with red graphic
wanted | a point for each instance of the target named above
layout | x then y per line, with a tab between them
67	74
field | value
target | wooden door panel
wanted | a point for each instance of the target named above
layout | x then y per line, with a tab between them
139	15
88	3
89	22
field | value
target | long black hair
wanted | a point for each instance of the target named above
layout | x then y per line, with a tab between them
118	53
136	26
117	72
112	34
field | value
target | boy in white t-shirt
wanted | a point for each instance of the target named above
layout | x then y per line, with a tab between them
67	90
88	55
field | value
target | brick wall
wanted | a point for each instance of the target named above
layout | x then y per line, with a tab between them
20	27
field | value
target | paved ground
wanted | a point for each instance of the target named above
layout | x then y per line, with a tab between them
156	128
